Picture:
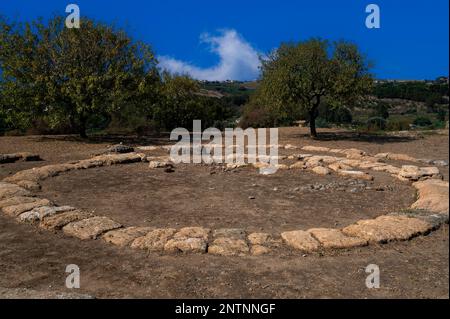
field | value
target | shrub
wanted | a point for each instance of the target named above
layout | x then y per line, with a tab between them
376	123
422	121
398	124
255	116
322	123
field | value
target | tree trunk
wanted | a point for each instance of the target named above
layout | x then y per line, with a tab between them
313	113
312	124
82	127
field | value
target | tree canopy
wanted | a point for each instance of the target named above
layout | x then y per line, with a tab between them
68	75
299	76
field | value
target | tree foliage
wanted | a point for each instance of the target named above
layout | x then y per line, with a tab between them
69	75
299	76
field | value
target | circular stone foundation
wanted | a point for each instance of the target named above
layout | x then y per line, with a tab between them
210	197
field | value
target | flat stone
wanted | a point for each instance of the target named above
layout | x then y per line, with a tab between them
401	157
159	164
301	240
334	238
147	148
58	221
259	238
339	166
258	250
154	240
410	172
356	174
40	173
321	170
90	228
16	200
28	217
192	232
29	185
298	165
433	196
186	245
124	237
429	172
46	211
387	228
16	210
10	190
228	247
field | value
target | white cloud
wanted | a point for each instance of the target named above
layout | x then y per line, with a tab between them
238	59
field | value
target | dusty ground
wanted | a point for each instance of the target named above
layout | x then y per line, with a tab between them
34	259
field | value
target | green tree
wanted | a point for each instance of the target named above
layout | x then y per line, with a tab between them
69	75
302	75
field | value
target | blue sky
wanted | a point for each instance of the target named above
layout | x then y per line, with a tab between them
219	40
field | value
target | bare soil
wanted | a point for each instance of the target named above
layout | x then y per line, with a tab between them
35	259
192	196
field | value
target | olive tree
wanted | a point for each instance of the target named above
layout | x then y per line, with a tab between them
301	75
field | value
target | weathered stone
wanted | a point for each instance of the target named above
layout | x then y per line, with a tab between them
351	162
336	150
290	147
28	217
16	210
236	233
370	165
410	172
259	238
154	240
382	155
186	245
29	185
321	170
353	153
124	237
40	173
16	200
386	168
58	221
356	174
90	228
334	238
9	190
339	166
228	247
315	149
193	232
401	157
147	148
301	240
298	165
313	161
159	163
387	228
433	196
429	172
46	211
258	250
